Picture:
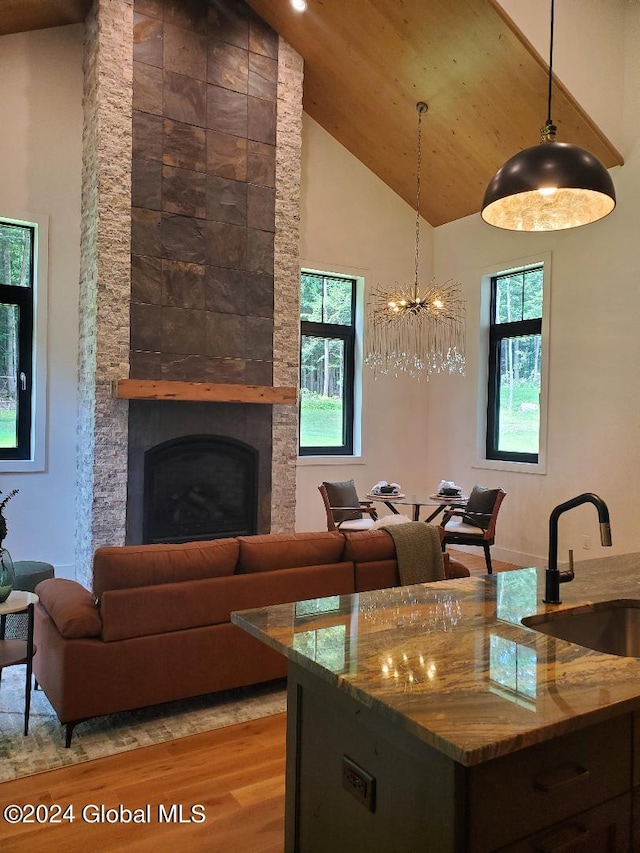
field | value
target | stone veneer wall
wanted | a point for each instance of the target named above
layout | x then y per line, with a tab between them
106	281
286	297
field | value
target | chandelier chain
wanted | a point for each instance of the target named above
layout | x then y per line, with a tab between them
422	108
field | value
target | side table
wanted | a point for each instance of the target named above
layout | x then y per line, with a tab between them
29	573
13	652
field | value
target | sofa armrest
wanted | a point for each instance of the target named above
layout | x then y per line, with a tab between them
71	608
454	568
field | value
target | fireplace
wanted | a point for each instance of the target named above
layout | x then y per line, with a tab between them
189	249
199	487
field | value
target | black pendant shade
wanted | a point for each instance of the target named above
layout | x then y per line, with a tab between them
549	187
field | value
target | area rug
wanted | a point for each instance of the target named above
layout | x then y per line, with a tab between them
43	749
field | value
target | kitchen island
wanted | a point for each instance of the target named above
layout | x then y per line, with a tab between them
428	718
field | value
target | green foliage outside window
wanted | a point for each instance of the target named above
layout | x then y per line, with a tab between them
518	300
325	299
326	352
16	276
519	296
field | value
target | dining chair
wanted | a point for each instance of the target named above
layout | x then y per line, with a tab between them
345	511
474	524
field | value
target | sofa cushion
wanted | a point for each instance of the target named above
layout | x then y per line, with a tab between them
126	566
128	613
370	545
275	551
71	607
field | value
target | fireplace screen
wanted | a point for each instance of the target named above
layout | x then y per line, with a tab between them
199	487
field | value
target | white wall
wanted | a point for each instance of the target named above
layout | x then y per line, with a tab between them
353	223
594	400
40	167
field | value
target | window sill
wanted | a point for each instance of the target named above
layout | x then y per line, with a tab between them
515	467
323	461
20	466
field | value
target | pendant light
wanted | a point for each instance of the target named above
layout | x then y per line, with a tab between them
550	186
412	329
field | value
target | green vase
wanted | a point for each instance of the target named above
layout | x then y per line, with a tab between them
7	574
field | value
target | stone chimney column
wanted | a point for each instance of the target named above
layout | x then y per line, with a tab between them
105	280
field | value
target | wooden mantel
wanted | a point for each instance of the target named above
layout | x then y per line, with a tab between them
203	392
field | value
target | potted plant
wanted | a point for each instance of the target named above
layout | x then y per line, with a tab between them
7	572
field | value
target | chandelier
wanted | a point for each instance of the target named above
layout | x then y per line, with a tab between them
413	329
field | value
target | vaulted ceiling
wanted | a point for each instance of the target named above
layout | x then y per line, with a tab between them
367	64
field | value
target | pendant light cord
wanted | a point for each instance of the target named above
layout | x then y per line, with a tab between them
549	119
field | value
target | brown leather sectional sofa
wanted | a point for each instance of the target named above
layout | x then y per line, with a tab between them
156	626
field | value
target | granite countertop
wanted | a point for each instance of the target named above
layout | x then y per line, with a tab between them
451	662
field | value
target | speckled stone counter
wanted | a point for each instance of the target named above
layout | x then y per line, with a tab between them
451	662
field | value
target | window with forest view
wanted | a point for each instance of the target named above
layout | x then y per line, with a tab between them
327	357
17	245
515	365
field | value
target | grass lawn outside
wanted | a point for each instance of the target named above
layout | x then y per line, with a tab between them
7	428
320	421
520	424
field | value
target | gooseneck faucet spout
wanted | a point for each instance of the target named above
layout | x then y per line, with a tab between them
553	576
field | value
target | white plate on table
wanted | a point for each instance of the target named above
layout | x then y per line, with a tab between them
386	496
448	498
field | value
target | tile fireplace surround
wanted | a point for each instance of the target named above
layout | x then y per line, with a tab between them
189	255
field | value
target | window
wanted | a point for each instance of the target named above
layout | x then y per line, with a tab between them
17	265
327	359
515	365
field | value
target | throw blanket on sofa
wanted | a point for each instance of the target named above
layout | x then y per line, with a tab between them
418	552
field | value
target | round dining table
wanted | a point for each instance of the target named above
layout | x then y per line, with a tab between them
440	502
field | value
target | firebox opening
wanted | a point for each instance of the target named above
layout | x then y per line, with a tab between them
199	487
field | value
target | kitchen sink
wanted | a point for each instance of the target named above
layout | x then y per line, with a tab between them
612	627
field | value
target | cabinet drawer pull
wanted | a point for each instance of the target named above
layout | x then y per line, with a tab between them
560	777
572	834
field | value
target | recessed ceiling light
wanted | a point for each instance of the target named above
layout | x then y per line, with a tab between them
299	5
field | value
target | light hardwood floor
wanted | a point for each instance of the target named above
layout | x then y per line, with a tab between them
236	773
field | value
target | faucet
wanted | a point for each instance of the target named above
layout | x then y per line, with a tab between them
554	577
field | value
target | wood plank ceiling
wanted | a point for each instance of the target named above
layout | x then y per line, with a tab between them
367	63
18	16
